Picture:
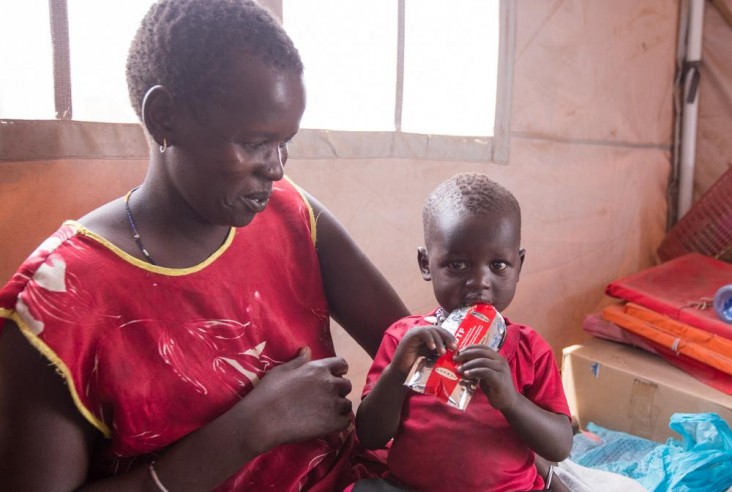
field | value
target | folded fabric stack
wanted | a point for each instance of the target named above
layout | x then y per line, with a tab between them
667	309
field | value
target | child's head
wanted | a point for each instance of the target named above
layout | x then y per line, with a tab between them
188	46
472	233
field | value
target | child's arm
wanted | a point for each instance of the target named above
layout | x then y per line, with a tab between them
378	414
547	433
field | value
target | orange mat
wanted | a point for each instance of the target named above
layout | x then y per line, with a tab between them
681	288
680	338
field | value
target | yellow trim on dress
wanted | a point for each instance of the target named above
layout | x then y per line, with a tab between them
173	272
311	214
60	368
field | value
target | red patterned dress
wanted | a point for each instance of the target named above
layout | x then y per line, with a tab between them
150	354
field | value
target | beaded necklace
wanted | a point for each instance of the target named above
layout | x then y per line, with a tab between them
135	234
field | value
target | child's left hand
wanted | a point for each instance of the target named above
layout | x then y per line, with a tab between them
492	371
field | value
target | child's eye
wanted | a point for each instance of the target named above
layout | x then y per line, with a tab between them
283	145
458	265
499	266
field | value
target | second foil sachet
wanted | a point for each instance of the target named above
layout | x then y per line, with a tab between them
437	375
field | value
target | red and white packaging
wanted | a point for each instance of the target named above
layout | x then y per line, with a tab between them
479	324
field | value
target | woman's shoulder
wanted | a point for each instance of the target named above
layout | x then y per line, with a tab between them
53	246
108	221
73	251
289	198
46	267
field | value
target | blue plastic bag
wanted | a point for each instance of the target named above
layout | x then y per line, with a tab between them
701	461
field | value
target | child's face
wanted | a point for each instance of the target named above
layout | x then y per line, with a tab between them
473	259
227	159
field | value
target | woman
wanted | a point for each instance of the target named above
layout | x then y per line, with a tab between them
189	320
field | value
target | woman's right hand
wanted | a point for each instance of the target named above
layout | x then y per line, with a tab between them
302	399
296	401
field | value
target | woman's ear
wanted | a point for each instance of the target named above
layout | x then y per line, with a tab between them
157	114
424	263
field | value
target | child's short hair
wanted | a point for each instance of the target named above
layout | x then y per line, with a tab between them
185	45
472	192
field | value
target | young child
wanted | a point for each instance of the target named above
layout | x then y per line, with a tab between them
472	254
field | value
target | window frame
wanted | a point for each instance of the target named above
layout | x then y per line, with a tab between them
331	144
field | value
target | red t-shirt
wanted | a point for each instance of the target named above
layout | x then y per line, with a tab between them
150	354
438	448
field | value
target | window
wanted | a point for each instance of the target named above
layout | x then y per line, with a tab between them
94	47
350	56
351	51
403	78
26	61
99	37
450	67
385	78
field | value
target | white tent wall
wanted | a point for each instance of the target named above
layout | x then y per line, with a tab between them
591	130
714	134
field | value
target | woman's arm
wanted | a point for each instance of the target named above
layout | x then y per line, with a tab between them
44	440
360	298
543	467
45	444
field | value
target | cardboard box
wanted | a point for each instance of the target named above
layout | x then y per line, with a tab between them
624	388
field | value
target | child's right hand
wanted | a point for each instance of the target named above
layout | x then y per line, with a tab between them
419	341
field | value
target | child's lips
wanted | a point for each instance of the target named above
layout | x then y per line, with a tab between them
471	301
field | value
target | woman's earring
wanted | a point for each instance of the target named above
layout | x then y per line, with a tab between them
164	147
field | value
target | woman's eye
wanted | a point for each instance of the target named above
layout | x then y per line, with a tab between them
248	145
253	145
458	265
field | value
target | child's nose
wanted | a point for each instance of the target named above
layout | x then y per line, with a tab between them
481	279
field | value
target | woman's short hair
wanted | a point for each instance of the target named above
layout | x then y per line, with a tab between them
187	46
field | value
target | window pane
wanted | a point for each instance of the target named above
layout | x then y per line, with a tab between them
100	34
450	66
349	51
26	60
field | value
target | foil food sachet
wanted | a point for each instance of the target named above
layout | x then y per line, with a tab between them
437	375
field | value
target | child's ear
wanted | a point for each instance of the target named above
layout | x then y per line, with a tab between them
522	256
158	107
424	263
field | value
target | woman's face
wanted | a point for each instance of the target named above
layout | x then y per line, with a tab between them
224	158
